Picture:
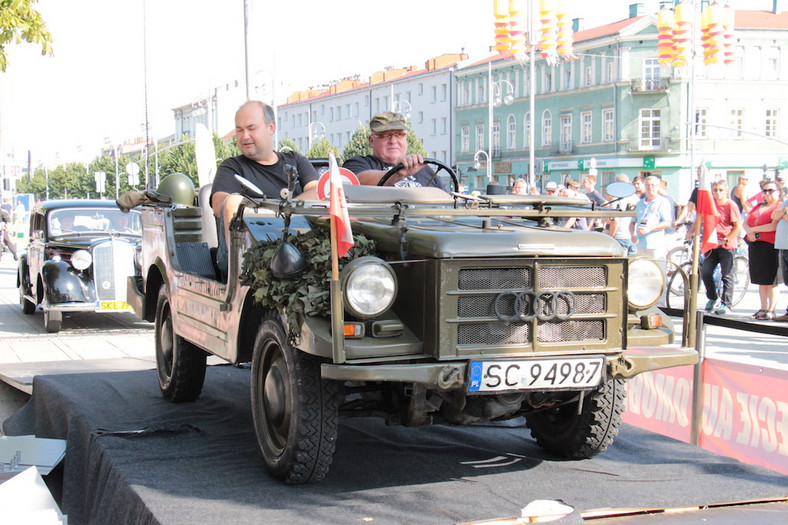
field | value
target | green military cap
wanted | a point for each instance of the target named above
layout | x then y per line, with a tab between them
387	121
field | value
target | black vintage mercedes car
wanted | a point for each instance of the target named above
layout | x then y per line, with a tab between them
80	254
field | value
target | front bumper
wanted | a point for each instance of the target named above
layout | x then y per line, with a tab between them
444	376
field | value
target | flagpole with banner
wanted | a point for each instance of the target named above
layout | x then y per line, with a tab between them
341	242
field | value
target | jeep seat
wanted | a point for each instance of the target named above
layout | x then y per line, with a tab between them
209	225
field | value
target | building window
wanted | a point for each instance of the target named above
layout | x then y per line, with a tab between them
547	129
566	133
771	122
443	92
496	139
701	119
434	94
588	76
527	128
650	128
737	122
481	93
465	139
479	136
586	127
611	70
511	133
608	125
651	74
444	126
568	77
771	63
548	82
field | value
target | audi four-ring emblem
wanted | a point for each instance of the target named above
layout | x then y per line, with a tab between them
528	304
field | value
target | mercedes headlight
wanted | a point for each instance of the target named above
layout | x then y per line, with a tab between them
81	259
646	283
369	286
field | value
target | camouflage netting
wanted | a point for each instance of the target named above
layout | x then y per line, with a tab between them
307	295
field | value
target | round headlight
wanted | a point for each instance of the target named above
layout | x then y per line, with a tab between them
646	282
81	259
370	287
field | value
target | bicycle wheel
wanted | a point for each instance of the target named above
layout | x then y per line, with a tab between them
678	256
675	296
741	270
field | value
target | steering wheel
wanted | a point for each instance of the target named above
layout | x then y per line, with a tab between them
437	163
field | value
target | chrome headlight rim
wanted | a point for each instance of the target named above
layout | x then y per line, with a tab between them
351	277
645	276
81	260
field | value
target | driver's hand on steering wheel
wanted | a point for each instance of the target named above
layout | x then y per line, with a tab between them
412	163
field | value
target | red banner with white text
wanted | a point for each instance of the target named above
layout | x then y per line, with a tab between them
744	414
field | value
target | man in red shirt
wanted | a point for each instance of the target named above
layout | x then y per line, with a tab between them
728	228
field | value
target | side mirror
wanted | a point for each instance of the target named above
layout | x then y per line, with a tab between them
620	190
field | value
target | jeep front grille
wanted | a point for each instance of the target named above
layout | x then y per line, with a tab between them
113	262
487	298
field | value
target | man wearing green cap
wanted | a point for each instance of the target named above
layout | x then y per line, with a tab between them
388	132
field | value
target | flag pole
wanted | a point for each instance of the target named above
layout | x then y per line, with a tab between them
690	317
337	314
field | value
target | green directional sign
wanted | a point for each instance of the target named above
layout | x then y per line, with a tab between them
649	162
783	164
581	164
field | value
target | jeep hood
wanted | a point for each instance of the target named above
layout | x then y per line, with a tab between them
462	238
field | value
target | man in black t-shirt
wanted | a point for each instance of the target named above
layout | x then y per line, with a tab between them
388	140
259	164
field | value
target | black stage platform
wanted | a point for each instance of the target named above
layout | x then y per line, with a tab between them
133	457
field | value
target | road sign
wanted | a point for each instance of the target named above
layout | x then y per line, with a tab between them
133	169
101	181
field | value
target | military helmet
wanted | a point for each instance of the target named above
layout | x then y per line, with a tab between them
180	187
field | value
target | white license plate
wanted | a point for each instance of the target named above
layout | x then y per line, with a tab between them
557	373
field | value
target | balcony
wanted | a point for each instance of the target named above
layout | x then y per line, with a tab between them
564	148
659	144
651	85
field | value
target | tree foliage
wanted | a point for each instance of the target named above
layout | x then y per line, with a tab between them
320	149
20	22
76	180
359	144
286	143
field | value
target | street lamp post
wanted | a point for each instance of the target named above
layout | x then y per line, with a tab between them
477	163
317	130
402	106
495	98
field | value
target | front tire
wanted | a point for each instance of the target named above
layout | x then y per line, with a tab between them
565	433
295	411
180	365
53	320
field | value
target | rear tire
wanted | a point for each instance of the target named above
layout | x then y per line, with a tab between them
180	365
295	411
28	307
565	433
674	298
741	279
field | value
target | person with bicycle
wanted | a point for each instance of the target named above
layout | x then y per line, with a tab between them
729	225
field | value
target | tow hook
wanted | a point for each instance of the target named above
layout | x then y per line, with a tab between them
449	376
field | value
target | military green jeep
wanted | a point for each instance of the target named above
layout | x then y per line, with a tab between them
449	309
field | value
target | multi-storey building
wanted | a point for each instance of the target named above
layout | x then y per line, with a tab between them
618	105
423	95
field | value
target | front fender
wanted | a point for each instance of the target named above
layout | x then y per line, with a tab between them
64	284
